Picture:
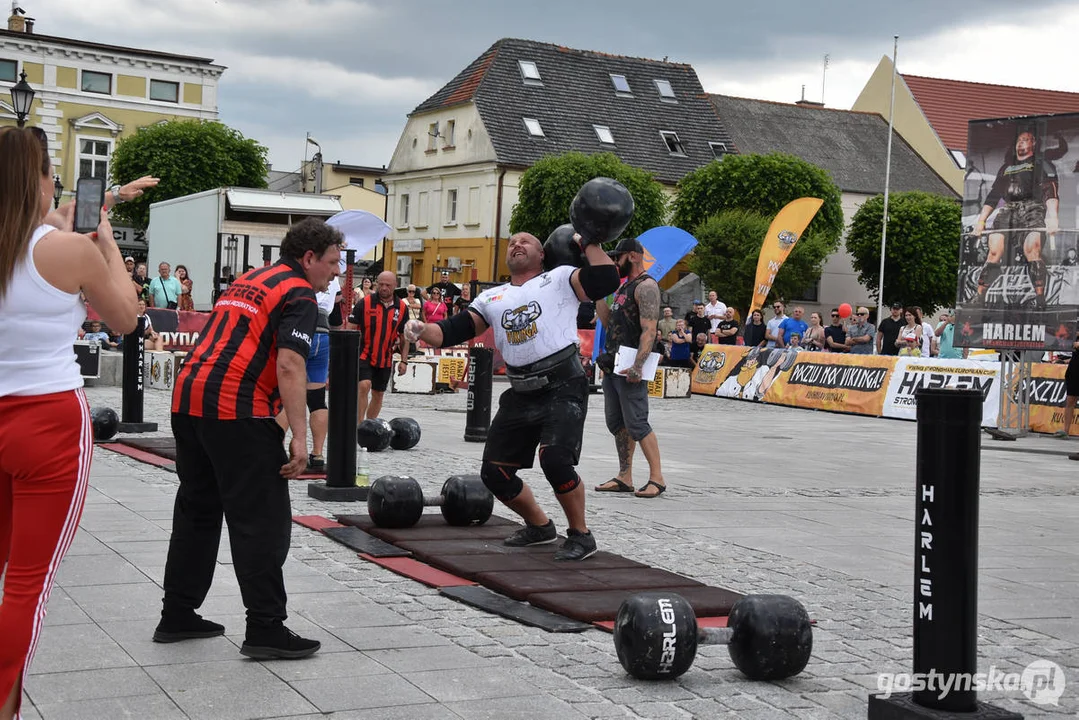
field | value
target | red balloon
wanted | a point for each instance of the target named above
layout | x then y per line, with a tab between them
845	310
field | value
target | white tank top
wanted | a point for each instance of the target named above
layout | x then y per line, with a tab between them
533	320
39	324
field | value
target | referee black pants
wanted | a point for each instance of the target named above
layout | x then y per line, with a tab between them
229	469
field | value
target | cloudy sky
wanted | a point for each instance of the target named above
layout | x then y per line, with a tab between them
349	71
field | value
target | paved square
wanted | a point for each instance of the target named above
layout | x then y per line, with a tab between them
762	499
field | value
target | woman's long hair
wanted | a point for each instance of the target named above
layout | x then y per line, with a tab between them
24	159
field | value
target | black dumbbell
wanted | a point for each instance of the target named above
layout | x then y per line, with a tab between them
105	422
398	502
769	637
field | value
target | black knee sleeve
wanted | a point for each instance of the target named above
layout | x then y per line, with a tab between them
988	275
557	464
502	481
316	399
1038	273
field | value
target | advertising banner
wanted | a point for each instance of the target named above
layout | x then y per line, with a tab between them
831	381
1047	394
911	374
787	226
715	365
1019	260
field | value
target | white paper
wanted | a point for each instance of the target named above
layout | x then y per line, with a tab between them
625	358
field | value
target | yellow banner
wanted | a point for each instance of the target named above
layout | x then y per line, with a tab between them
1047	394
831	381
783	233
716	364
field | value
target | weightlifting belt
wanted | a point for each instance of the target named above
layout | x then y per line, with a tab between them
556	368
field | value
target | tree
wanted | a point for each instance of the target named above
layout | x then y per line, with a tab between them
549	186
922	255
189	156
764	184
728	245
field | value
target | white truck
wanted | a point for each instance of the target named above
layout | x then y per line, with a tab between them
218	234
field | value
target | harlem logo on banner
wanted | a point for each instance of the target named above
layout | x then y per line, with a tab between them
913	374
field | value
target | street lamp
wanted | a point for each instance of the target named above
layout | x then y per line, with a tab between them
57	191
22	97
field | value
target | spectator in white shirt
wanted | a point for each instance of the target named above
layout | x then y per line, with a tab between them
773	325
715	311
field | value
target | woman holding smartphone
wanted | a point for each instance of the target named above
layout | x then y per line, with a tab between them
46	438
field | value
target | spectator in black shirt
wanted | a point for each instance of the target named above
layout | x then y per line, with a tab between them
727	330
755	328
889	331
449	290
697	322
835	335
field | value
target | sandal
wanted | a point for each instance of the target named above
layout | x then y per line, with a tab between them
618	486
660	489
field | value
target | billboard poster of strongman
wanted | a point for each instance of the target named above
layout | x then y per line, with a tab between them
1018	264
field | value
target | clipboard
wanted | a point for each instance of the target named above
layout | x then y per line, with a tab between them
625	358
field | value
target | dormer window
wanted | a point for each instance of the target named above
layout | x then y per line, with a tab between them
718	149
621	85
604	134
533	126
674	145
529	72
666	92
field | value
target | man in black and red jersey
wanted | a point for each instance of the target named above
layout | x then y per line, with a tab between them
380	316
249	362
1027	182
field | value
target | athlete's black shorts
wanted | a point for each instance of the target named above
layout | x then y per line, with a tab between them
550	417
1020	216
379	377
1071	375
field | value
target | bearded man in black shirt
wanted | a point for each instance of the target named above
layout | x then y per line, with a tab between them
1028	185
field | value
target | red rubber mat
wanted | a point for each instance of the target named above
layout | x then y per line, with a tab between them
141	455
315	522
710	622
418	571
521	585
601	605
164	447
426	549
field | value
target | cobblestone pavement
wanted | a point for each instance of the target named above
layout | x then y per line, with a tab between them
762	499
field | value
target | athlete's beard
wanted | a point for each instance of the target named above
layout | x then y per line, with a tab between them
624	268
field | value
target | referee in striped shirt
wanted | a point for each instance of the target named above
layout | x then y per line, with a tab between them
249	362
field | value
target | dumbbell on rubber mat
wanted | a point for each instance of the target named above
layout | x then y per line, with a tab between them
398	502
769	637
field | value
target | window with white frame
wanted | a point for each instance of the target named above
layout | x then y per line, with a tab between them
718	149
165	91
432	137
533	126
674	145
94	156
422	212
604	134
9	70
529	72
451	206
402	211
621	85
448	134
96	82
665	90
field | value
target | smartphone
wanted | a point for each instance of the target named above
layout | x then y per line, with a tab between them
89	199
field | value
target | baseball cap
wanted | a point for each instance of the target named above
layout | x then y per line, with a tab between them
897	306
129	258
626	245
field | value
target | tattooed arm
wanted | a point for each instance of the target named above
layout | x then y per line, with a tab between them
647	295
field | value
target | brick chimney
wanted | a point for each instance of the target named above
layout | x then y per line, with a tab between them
16	22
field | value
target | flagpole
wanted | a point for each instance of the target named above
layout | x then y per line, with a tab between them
887	179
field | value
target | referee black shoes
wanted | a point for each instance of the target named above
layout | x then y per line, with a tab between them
190	625
277	643
533	535
578	546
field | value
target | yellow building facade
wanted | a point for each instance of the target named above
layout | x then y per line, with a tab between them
88	96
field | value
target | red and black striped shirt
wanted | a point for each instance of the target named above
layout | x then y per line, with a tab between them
380	327
231	373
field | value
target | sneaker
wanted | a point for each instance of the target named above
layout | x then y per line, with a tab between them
533	535
316	464
190	626
277	642
578	546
